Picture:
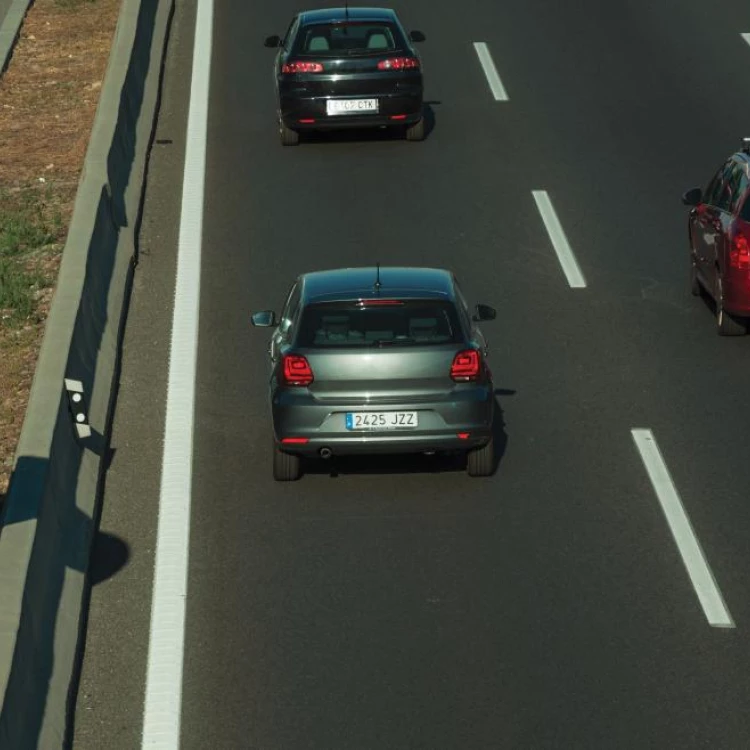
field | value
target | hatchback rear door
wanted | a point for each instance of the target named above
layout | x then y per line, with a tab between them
381	351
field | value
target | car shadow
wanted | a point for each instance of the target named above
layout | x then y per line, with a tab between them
439	463
357	135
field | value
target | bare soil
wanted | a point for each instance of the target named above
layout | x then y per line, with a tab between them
48	99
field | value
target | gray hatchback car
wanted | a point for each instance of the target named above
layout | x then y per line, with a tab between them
379	360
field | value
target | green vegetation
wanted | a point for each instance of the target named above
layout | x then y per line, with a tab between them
27	228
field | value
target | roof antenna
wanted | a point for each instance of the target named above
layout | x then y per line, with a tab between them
346	10
377	278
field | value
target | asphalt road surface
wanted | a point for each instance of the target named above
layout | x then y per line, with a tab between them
398	603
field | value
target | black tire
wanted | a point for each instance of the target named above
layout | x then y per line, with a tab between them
480	462
286	466
695	285
415	132
726	324
288	136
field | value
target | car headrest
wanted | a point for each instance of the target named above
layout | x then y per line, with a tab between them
318	44
377	40
423	328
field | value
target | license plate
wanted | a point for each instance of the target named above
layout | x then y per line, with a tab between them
351	106
381	420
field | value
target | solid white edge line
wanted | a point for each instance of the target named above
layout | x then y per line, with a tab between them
490	72
746	37
698	569
163	693
559	241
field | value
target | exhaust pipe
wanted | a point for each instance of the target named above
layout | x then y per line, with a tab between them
326	453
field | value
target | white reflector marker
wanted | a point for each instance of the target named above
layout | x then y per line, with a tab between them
701	577
490	71
559	241
163	696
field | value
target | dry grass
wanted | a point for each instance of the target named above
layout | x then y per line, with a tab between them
48	98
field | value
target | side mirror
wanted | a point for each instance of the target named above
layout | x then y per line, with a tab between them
417	36
484	312
264	319
272	41
693	197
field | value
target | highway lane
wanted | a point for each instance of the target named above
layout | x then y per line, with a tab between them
395	605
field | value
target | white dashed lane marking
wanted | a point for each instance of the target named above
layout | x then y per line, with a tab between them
490	71
559	241
704	583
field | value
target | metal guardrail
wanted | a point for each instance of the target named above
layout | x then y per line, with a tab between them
50	515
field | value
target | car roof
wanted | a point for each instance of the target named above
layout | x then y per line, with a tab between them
344	284
327	15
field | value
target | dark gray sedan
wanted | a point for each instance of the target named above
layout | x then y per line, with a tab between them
379	360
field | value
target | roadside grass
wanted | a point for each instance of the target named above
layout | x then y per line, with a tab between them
30	229
73	4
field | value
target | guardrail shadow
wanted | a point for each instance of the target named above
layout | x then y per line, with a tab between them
62	543
411	463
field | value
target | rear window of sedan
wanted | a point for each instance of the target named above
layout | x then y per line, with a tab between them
341	39
378	323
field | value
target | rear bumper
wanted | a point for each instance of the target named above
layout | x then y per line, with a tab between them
470	410
393	111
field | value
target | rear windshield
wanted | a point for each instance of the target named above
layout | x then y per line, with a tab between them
337	39
351	324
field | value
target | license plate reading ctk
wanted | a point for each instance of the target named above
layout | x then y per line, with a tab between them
383	420
351	106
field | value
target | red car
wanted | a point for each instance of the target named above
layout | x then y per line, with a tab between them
719	231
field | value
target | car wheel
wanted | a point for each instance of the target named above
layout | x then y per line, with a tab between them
289	137
726	324
695	285
415	132
286	466
480	462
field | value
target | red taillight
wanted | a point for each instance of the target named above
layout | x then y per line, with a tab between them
302	67
373	302
398	117
399	63
294	441
739	254
296	370
466	365
463	435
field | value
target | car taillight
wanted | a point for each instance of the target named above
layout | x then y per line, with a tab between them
296	370
302	67
466	366
739	253
399	63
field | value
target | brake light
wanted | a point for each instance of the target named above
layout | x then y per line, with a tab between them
302	67
296	370
466	366
739	254
399	63
373	302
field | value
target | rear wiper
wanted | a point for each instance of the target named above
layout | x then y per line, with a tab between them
394	342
